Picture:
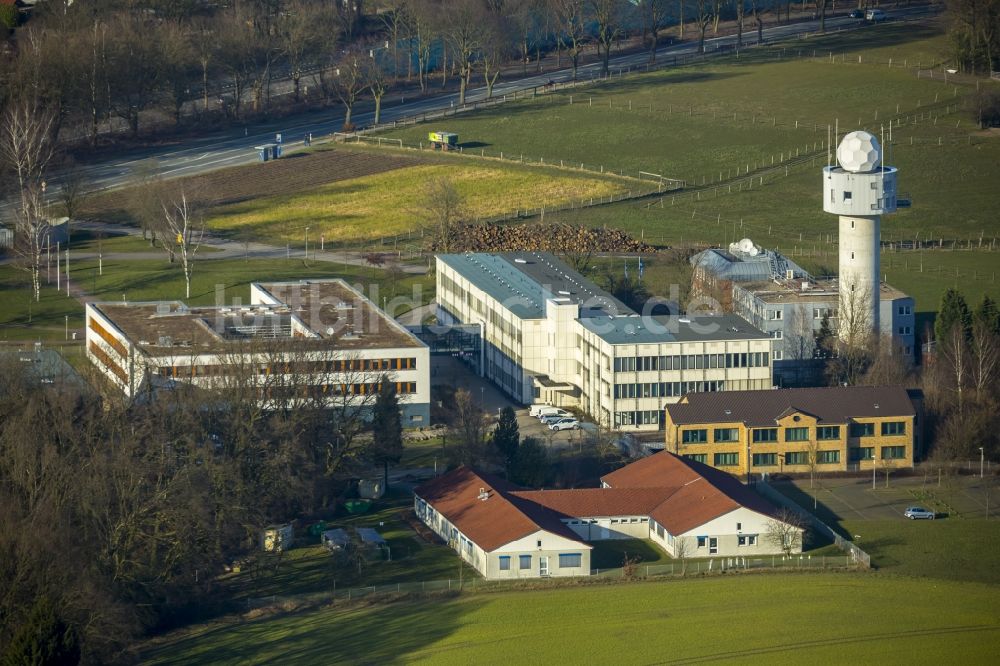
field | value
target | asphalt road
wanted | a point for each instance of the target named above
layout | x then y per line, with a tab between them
235	146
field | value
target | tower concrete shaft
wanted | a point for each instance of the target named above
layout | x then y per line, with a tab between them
859	277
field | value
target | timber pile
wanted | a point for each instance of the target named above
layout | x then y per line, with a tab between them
560	238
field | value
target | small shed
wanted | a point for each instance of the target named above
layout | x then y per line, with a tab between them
276	538
370	537
371	488
336	539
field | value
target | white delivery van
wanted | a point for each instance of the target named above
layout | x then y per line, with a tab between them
534	409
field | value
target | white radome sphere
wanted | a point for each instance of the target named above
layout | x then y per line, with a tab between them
859	152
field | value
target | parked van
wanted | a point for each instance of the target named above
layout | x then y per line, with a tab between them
551	411
534	409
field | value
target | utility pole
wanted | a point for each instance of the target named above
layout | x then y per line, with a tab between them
981	460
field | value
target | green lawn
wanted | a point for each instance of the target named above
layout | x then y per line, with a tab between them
422	453
793	619
159	280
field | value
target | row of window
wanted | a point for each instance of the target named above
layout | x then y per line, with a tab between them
731	459
691	362
318	390
292	367
666	389
641	417
566	561
110	364
888	428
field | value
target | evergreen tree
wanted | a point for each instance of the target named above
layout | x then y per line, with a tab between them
954	311
507	437
387	427
825	338
44	640
989	315
531	464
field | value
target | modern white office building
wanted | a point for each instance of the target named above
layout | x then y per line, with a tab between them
551	336
316	340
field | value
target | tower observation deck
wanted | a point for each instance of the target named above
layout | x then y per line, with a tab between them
860	190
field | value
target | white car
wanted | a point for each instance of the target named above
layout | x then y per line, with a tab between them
875	16
565	424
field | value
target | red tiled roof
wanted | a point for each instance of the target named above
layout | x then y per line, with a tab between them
679	494
699	493
597	502
492	522
834	404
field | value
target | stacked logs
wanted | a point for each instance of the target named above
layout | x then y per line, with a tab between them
560	238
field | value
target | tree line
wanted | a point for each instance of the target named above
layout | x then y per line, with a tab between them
114	62
118	516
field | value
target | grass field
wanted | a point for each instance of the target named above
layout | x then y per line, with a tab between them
158	280
794	619
392	203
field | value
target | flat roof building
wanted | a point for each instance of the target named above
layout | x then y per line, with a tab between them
310	339
552	336
792	312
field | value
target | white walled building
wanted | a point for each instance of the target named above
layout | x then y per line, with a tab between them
313	339
792	310
686	508
551	336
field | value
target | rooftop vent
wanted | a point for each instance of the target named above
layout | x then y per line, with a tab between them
520	261
483	494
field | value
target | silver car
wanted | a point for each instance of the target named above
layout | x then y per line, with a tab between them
917	512
565	424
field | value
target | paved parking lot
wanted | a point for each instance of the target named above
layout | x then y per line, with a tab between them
451	371
856	499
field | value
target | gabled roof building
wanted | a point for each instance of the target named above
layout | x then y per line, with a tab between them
688	509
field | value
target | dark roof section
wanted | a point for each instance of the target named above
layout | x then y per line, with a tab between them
835	404
492	522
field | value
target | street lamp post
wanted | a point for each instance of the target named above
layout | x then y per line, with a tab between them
982	458
307	243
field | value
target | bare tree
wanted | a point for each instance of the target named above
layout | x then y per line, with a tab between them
187	229
757	9
704	18
953	358
984	353
27	148
655	16
496	50
681	552
443	210
73	189
300	31
349	82
784	530
607	15
464	31
469	430
571	18
378	84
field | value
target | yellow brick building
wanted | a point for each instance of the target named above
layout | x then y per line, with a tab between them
843	428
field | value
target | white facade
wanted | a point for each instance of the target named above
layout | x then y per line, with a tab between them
578	347
741	532
338	374
540	554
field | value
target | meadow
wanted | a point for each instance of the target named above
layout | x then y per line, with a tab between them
784	618
395	203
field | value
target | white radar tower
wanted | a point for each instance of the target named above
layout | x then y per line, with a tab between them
860	190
